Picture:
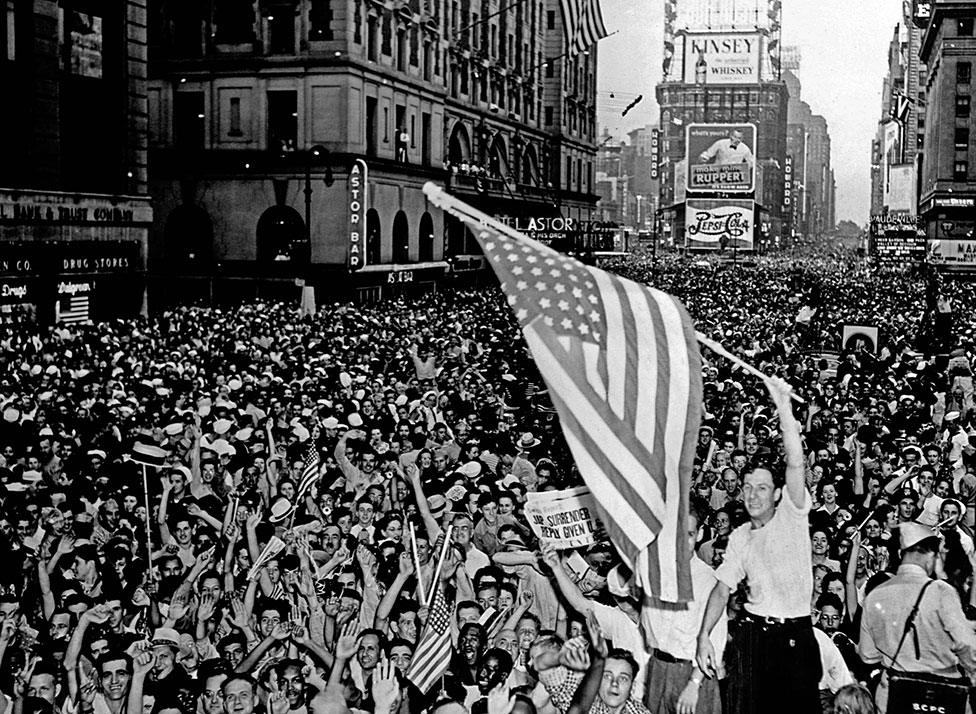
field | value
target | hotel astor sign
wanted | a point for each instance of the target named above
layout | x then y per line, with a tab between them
358	176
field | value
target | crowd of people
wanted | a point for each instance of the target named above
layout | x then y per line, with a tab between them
223	511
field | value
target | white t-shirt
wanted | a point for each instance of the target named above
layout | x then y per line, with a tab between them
675	629
776	561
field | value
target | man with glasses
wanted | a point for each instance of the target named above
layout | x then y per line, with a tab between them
213	673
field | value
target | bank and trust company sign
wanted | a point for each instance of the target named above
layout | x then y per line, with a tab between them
356	197
719	224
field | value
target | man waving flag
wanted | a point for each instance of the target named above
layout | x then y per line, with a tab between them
622	364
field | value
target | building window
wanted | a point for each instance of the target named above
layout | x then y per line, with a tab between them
965	26
401	139
425	138
386	125
282	120
548	116
9	30
961	172
189	120
962	106
964	72
401	53
386	46
549	69
464	79
371	31
475	31
483	87
371	126
414	47
235	117
962	138
551	20
494	41
234	22
569	173
320	20
281	30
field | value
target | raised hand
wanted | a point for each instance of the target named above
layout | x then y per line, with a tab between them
208	603
405	563
500	700
238	617
65	545
385	688
575	655
281	631
597	640
140	598
97	614
277	700
550	556
142	663
87	691
348	642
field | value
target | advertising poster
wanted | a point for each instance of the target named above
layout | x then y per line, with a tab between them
723	58
953	254
719	224
721	158
567	519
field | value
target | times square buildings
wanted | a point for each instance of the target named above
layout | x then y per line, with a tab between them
289	140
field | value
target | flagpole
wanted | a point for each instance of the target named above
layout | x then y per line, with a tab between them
416	558
440	565
145	492
720	350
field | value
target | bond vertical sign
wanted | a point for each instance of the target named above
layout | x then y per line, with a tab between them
357	215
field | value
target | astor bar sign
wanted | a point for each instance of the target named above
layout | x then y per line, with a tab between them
719	224
357	215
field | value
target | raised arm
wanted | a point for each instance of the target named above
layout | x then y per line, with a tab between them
781	393
354	477
567	587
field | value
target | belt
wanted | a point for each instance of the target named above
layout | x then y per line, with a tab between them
774	621
670	659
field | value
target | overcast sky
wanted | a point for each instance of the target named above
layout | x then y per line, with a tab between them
844	45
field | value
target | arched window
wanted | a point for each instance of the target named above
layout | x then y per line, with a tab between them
401	238
426	238
459	147
498	162
373	237
189	238
281	236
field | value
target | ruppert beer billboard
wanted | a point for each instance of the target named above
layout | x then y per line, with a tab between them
723	58
721	158
719	224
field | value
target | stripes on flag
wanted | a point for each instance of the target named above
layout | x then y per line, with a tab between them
433	653
310	470
73	309
582	24
623	369
148	455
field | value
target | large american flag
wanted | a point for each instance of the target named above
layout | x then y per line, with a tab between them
582	24
622	364
433	653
